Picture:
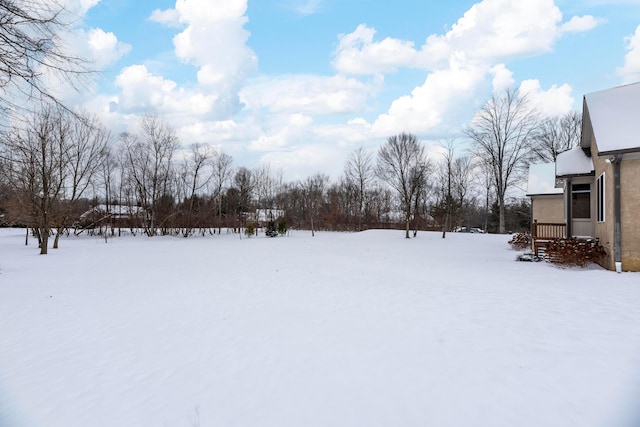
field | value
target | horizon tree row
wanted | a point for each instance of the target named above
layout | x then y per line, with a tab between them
58	165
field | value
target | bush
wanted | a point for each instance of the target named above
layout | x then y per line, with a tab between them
521	240
250	229
271	230
282	226
573	251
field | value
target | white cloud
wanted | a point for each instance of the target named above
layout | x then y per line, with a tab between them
426	107
305	7
215	133
477	46
74	8
301	147
308	94
630	71
358	54
490	31
214	40
169	17
555	101
88	4
105	47
291	133
307	160
497	29
580	23
98	48
141	91
502	78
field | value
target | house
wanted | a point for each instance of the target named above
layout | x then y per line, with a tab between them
263	216
547	201
117	215
601	177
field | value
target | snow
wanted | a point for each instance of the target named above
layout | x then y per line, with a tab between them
542	180
573	162
614	118
341	329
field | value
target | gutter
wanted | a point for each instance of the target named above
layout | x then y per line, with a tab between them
617	229
567	213
618	152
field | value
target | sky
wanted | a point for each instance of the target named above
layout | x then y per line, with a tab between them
301	84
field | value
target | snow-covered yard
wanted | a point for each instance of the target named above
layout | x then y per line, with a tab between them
366	329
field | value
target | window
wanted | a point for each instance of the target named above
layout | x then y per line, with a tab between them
581	201
600	199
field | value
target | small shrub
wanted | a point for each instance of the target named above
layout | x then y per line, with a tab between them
271	230
521	241
574	251
250	229
282	226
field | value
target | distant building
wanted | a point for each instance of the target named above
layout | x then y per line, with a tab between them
117	215
263	216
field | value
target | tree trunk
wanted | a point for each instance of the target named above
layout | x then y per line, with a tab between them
55	240
312	230
44	240
502	229
486	212
407	221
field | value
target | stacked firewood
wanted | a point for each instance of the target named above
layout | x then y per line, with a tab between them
520	241
574	251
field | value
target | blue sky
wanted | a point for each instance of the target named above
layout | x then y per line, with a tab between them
300	84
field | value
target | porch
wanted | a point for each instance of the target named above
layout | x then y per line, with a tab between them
544	232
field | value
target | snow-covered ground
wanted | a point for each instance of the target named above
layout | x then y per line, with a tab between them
366	329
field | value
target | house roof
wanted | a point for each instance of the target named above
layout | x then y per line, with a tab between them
612	116
542	180
573	162
118	210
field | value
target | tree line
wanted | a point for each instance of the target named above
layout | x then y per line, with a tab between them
57	165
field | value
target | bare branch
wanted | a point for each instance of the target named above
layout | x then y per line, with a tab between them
30	48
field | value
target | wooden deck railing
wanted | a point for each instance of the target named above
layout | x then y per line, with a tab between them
543	232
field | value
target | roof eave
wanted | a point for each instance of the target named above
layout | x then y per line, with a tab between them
543	194
614	152
576	175
586	132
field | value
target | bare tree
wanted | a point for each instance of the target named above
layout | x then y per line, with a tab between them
105	185
194	177
313	191
557	134
463	177
486	181
267	183
30	48
83	153
148	162
447	183
360	172
422	185
503	132
244	183
49	161
402	165
32	161
221	175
